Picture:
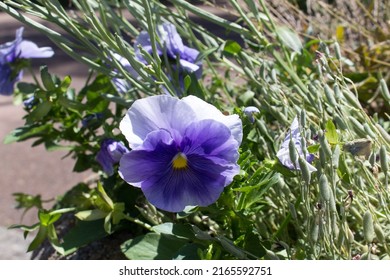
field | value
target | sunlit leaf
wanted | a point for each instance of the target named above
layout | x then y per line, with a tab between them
290	38
153	246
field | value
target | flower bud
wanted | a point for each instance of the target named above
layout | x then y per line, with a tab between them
383	159
324	188
368	227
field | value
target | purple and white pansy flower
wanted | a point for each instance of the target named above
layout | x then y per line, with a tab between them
170	45
184	151
251	112
283	154
11	54
109	154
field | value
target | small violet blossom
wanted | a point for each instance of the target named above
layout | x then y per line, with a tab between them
11	54
250	112
91	120
110	153
284	154
29	102
184	151
170	45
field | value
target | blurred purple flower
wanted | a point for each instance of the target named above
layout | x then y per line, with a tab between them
123	85
284	153
110	153
170	45
29	102
184	151
250	112
91	120
11	54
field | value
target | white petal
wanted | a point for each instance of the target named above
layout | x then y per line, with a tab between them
154	113
188	66
29	49
204	110
294	125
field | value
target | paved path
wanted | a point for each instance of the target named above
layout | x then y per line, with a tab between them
23	168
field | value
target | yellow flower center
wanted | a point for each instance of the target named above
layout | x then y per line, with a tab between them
179	161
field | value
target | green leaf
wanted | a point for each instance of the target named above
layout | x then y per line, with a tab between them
107	223
47	219
27	201
51	146
278	167
195	88
246	98
187	211
187	82
104	196
343	171
289	38
53	238
231	48
313	148
253	245
66	83
24	227
27	88
331	133
118	100
229	246
82	163
39	238
91	215
71	105
47	79
153	246
206	53
83	233
26	132
187	252
41	110
255	193
118	212
179	230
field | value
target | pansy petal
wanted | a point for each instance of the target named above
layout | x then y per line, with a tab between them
189	54
211	138
201	184
28	49
311	167
284	157
205	110
250	112
8	50
7	87
154	113
170	39
284	154
152	161
109	154
143	41
106	163
188	66
6	84
126	65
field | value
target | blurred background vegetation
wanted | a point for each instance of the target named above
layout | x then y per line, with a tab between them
362	29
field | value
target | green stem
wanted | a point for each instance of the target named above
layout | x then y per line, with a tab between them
138	222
